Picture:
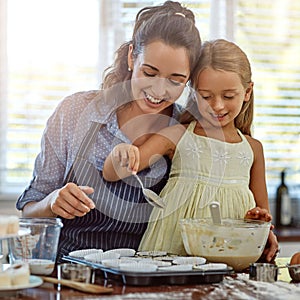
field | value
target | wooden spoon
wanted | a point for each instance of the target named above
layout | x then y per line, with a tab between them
80	286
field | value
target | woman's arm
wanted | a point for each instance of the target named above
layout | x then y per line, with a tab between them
46	196
126	159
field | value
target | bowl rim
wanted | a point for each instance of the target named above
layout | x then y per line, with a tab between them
226	222
289	266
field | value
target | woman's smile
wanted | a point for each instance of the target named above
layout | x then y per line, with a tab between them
153	100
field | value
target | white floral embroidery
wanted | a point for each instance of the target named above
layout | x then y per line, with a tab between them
244	158
193	149
221	157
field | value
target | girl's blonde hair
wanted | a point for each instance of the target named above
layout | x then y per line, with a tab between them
227	56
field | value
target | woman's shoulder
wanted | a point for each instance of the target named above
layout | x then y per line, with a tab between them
86	104
178	109
73	111
71	119
79	99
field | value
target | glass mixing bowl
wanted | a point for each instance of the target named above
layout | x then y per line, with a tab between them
236	242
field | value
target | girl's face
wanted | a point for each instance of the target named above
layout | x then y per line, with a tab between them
159	75
220	97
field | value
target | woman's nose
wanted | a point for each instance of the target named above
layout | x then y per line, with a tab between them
159	87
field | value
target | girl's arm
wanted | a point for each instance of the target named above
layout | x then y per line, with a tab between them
258	184
126	159
259	189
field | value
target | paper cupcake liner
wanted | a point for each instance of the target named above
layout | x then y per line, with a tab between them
189	260
138	267
177	268
124	252
211	267
84	252
98	257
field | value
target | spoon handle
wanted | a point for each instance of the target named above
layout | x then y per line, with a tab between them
215	212
80	286
139	180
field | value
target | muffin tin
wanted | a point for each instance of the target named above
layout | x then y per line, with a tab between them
175	275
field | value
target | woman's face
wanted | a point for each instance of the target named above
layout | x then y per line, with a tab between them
159	75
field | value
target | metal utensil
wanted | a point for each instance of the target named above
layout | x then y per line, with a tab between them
215	213
151	197
263	272
80	286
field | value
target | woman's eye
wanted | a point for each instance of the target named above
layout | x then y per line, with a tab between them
148	74
175	82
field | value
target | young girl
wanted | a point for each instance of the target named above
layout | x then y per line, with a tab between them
214	157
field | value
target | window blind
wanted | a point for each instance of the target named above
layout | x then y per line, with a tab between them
52	51
269	32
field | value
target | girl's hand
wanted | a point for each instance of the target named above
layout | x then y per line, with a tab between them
126	156
258	213
271	249
72	201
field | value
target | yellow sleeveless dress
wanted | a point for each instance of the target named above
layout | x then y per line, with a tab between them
203	170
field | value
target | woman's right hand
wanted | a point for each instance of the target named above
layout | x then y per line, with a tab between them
72	201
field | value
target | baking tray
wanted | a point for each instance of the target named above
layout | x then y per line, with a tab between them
157	277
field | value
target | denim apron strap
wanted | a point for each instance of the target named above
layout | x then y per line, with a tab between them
85	145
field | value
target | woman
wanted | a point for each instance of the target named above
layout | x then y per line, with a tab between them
137	100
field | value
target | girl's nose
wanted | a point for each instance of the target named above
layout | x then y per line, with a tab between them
217	104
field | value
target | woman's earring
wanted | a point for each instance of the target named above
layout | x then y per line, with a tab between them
129	69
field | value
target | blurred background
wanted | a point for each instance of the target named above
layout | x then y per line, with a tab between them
52	48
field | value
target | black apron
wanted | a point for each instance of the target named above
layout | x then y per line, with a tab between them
120	216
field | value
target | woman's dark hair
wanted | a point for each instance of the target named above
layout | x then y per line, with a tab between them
170	23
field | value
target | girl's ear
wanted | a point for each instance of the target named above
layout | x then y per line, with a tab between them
249	91
130	57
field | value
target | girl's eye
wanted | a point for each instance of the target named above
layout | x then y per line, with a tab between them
228	97
205	97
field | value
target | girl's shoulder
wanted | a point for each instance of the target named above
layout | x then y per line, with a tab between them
255	144
174	130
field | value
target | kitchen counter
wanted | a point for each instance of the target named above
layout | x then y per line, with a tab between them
237	286
229	288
